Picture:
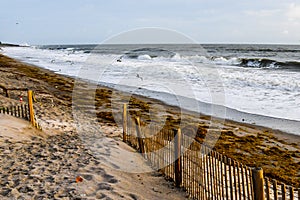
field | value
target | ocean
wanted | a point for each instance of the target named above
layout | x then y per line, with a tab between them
250	83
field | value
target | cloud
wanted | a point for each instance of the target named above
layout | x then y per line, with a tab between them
262	13
293	12
286	32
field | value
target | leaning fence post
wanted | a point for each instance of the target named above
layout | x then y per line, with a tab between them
177	147
124	122
31	111
139	135
258	183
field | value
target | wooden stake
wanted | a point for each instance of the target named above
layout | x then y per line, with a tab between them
31	111
177	147
124	122
258	183
139	135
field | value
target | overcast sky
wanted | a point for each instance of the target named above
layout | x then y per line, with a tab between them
206	21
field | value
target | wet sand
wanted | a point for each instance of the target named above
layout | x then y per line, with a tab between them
71	141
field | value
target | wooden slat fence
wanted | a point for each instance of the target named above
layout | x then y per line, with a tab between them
20	111
24	111
277	190
202	172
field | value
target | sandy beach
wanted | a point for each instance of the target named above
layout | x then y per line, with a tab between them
44	164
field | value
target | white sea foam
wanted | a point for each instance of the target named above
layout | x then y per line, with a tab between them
268	93
144	57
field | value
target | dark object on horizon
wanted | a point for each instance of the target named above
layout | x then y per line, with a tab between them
8	45
17	23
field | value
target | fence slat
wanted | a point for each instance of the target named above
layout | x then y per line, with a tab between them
15	111
291	193
230	179
226	176
239	180
243	181
19	113
235	186
212	165
222	174
248	182
275	190
267	189
283	191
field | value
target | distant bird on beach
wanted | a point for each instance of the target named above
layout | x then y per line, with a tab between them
138	76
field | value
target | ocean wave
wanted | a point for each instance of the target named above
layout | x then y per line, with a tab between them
236	59
144	57
151	52
264	63
269	63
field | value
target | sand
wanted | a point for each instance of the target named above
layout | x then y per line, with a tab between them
45	164
35	165
89	144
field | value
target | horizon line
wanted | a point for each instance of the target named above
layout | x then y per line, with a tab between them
199	43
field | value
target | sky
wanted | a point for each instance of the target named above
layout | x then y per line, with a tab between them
93	21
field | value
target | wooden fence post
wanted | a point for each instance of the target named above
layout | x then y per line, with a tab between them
30	104
6	92
258	183
124	122
139	135
177	147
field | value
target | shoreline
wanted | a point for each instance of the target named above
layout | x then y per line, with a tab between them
288	126
243	142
